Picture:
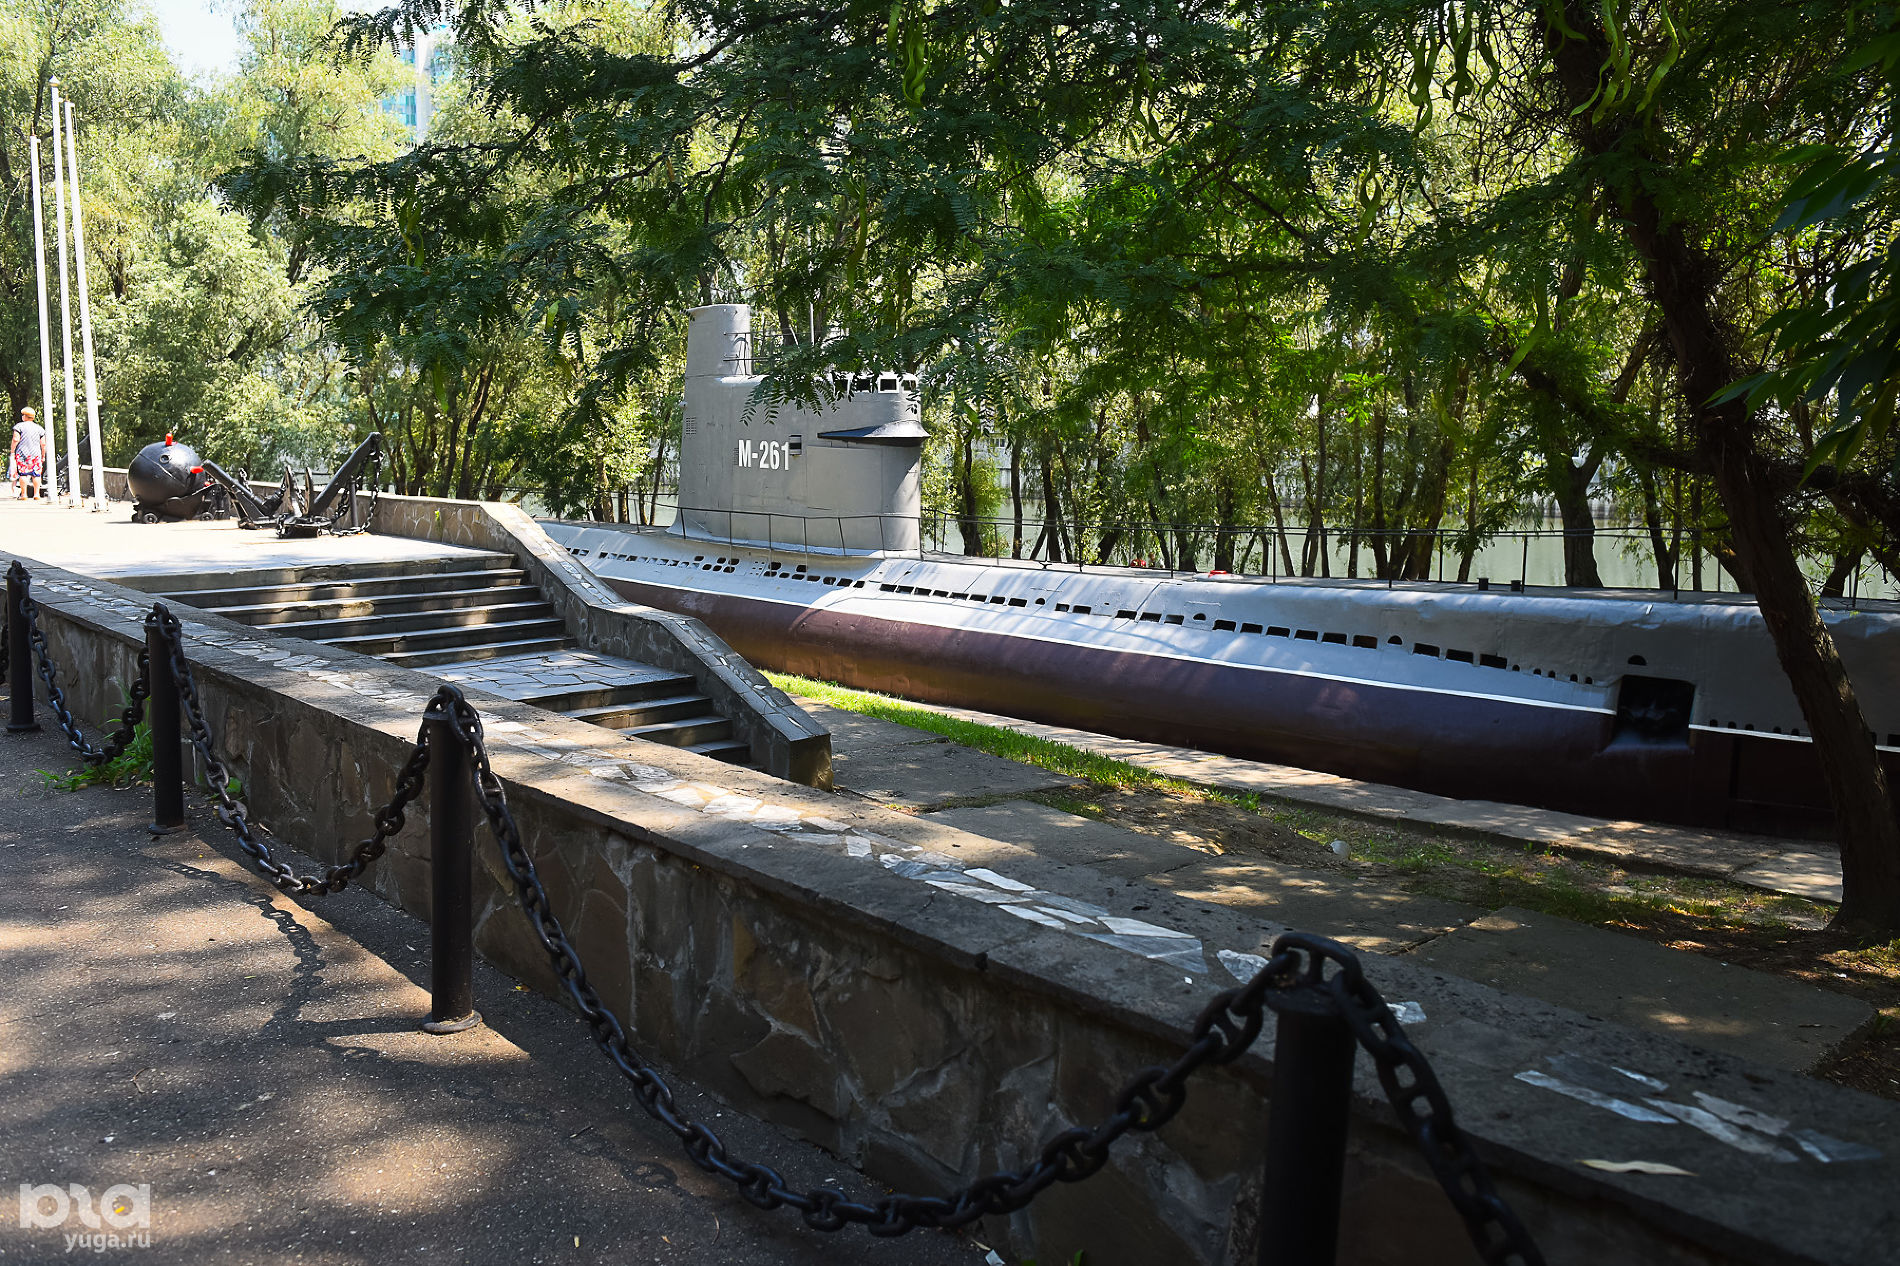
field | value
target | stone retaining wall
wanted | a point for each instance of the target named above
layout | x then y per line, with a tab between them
827	966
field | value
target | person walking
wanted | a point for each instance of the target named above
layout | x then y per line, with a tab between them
29	455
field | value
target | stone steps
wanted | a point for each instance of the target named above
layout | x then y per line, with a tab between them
474	621
626	716
372	576
587	698
730	750
464	654
465	610
450	637
685	731
346	606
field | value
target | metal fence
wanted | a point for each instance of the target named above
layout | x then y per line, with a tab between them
1325	1009
1530	556
1518	557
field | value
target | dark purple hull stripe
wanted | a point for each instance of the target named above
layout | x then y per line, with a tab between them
1449	745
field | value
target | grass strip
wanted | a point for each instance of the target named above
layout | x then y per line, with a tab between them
1027	748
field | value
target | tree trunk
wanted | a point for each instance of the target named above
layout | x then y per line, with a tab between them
1728	436
1845	564
1658	541
967	507
1468	542
1571	484
1279	530
1051	509
1381	546
1224	529
1016	498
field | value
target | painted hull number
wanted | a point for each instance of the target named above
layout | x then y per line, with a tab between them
764	455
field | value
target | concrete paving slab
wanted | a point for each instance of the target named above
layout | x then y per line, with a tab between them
1816	876
1071	839
111	545
550	672
1608	975
1329	903
1716	854
1364	916
935	773
854	733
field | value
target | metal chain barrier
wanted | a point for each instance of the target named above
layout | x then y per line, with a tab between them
390	819
1150	1099
56	698
1409	1082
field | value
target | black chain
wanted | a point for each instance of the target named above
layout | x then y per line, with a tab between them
56	698
1151	1098
390	819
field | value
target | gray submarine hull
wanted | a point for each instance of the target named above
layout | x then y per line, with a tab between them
1610	704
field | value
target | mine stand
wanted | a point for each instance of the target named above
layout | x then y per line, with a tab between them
170	481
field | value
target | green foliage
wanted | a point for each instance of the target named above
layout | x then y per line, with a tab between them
200	296
128	769
110	58
1843	343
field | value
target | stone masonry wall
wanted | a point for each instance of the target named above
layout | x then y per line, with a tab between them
767	939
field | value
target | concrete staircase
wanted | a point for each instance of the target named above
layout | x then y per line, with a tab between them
475	618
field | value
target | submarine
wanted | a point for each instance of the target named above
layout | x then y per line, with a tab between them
798	541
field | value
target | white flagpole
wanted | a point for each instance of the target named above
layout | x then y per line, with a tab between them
85	321
65	305
49	485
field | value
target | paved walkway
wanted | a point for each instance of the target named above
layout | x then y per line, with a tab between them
168	1019
110	545
546	673
1803	868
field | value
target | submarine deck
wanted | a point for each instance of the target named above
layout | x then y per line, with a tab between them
1682	597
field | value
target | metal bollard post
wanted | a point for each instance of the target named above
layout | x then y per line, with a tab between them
161	711
451	869
19	654
1313	1051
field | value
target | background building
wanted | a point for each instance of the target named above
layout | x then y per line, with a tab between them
431	59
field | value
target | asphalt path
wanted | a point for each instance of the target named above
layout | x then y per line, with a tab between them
169	1021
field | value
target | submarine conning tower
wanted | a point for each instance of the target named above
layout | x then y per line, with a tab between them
843	480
